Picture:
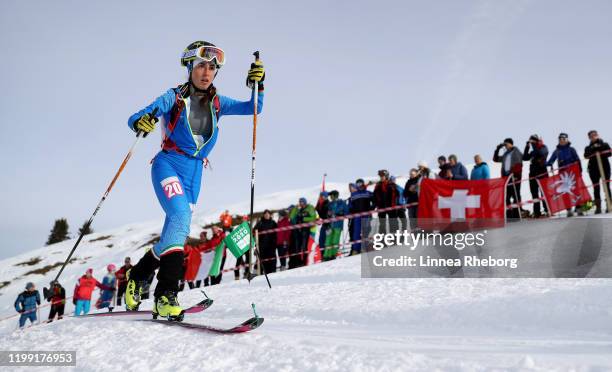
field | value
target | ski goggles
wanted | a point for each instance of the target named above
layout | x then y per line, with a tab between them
205	53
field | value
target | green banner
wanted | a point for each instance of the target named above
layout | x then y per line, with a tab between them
215	267
238	240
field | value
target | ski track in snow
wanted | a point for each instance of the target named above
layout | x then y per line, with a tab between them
326	318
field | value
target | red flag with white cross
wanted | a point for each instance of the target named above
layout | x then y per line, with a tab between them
469	204
565	189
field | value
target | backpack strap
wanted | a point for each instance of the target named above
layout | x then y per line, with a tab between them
217	105
175	115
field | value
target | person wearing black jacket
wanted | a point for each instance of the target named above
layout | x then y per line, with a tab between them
322	208
597	145
411	194
267	242
56	294
536	152
385	195
361	200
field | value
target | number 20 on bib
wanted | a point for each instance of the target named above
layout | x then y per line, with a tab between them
172	187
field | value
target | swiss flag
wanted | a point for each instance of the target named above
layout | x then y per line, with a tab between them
465	204
565	190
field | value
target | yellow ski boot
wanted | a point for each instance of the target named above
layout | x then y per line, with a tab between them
167	306
132	294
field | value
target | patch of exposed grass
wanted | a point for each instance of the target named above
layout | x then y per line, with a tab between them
103	237
45	269
154	240
31	262
4	283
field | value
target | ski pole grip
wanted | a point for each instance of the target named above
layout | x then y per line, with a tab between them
153	114
256	54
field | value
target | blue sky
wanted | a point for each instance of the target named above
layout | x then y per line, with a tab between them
351	87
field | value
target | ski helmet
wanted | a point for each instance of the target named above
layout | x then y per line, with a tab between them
111	267
198	51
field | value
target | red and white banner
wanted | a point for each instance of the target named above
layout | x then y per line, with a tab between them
565	189
465	204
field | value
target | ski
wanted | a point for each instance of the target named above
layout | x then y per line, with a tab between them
197	308
245	326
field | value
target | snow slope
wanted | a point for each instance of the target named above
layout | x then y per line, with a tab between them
326	317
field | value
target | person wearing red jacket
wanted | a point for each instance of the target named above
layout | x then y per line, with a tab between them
193	260
283	239
122	279
82	292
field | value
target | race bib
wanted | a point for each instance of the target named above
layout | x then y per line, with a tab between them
172	187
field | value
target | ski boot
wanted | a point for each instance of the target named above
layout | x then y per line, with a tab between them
132	293
167	306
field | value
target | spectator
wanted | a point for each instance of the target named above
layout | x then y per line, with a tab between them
82	292
193	260
443	165
385	196
512	165
106	295
459	171
597	145
121	276
361	200
26	304
565	155
536	152
302	213
480	170
446	172
283	238
226	221
411	195
206	257
56	295
322	209
401	213
267	242
423	169
337	208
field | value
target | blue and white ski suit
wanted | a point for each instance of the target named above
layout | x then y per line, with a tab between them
177	169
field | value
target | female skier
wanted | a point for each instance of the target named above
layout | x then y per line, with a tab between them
191	112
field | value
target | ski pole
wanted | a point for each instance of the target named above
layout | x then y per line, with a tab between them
86	226
256	249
